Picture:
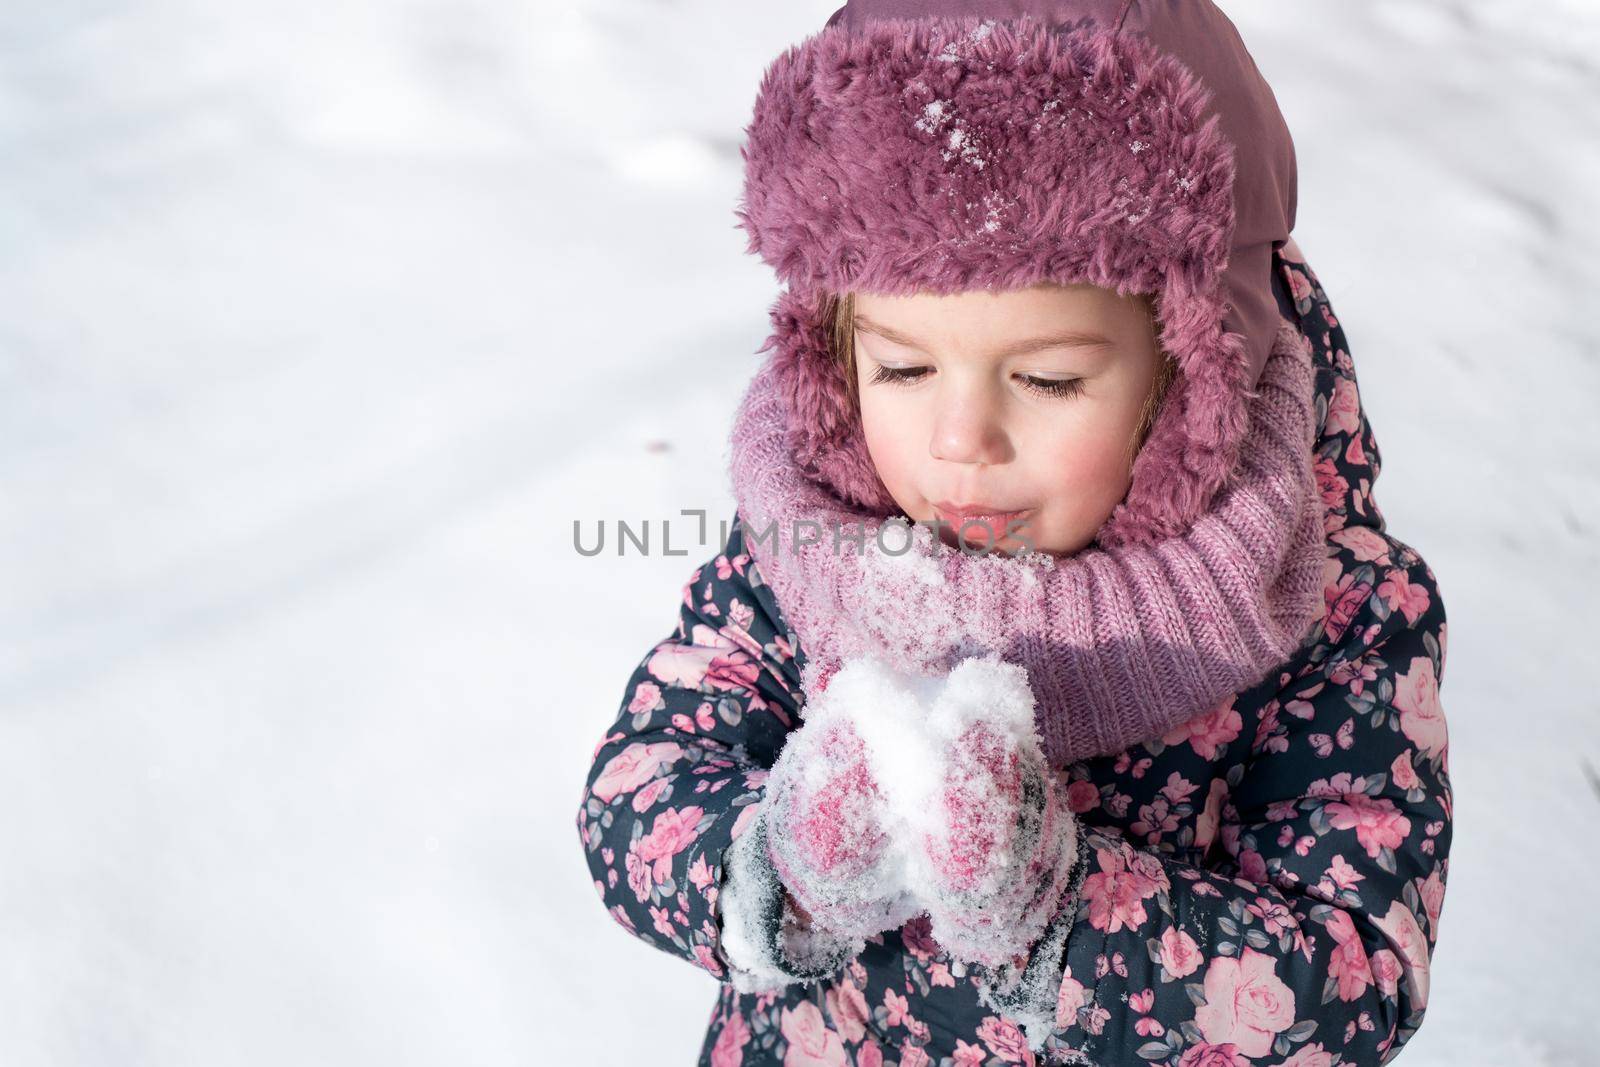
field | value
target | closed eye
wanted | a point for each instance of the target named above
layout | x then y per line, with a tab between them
1054	387
897	375
1051	387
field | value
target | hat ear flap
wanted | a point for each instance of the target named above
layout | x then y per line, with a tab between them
1195	439
824	430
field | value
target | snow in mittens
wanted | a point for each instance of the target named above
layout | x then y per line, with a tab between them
908	722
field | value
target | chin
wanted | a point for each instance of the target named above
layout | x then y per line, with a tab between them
1066	543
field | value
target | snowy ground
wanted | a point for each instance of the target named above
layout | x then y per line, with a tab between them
323	320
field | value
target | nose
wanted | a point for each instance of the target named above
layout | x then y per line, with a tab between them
967	429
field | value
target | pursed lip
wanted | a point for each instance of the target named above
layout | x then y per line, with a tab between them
995	516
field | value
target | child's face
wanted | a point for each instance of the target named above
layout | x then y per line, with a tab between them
958	407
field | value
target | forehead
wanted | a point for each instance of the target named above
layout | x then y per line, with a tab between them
1079	316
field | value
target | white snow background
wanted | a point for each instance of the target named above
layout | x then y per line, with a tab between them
320	323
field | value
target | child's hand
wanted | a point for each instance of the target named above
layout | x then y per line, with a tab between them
828	824
999	852
770	940
946	805
814	875
961	816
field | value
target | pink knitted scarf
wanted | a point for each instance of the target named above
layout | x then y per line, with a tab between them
1121	644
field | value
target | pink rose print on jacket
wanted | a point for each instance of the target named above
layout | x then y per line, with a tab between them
1400	927
1344	409
646	797
1116	894
1299	286
1313	1055
1210	820
729	1048
1082	797
811	1043
1180	955
849	1010
1403	772
680	663
1202	1055
1332	484
706	958
633	767
1377	822
1069	998
1403	595
646	697
1247	1005
1208	732
1005	1040
1416	694
711	660
1349	965
1363	542
672	832
1345	597
1432	893
1386	971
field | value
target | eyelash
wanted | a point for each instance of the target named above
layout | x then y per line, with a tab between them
1062	388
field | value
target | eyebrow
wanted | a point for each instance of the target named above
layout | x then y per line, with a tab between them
1070	339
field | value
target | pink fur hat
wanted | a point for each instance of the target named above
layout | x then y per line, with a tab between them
943	146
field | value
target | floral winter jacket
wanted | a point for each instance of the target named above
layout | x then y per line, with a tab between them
1264	882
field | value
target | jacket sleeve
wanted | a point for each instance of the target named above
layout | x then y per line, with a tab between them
681	770
1306	928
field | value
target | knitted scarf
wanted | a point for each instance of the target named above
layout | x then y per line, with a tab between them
1121	644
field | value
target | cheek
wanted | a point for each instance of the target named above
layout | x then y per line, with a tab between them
1081	473
896	440
1082	463
1084	458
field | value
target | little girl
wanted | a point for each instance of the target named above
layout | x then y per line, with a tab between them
1059	694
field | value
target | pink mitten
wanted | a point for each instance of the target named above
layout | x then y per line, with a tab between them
1000	853
828	832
